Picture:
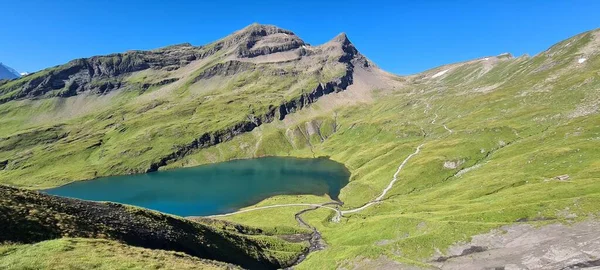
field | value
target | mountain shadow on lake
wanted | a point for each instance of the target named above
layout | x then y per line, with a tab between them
215	188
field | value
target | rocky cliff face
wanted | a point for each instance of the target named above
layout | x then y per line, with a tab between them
256	40
102	74
98	74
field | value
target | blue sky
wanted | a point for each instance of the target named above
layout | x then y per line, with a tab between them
402	37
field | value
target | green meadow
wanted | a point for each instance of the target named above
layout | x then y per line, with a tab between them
496	133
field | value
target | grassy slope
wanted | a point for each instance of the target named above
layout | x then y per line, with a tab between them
29	217
517	137
80	253
518	125
126	131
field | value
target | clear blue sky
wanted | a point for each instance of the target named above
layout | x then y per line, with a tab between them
403	37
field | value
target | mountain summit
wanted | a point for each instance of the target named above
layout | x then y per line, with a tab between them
8	73
255	47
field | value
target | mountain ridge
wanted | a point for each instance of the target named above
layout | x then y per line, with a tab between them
311	72
504	140
7	72
86	74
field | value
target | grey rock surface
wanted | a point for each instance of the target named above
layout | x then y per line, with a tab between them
524	246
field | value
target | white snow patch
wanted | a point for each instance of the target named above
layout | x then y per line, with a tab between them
24	73
439	74
581	60
487	58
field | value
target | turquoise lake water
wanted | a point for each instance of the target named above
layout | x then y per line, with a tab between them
215	188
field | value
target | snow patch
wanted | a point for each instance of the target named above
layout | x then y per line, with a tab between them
24	73
487	58
581	60
439	74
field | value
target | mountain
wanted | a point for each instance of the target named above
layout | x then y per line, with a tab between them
151	108
471	158
8	73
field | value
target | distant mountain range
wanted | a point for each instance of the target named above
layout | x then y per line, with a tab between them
7	72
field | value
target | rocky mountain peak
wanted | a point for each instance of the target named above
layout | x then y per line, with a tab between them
505	55
256	29
102	74
341	38
7	72
349	53
256	39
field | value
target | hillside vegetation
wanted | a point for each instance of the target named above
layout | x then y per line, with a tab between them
128	114
498	133
505	140
31	217
85	253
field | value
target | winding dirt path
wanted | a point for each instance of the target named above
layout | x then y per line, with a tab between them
390	185
315	206
435	118
339	213
449	130
316	241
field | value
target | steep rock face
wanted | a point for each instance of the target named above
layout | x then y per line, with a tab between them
101	74
98	74
256	40
273	43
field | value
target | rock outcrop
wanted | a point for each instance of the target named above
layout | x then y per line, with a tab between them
98	74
